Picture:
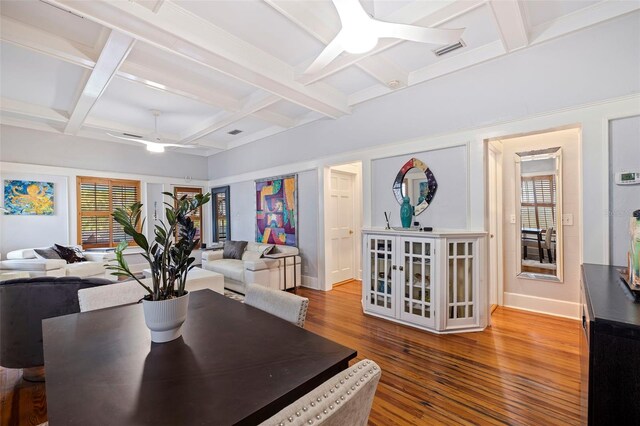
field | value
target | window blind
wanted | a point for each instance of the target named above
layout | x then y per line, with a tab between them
538	202
196	217
97	199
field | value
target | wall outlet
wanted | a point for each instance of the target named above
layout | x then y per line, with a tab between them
512	219
567	219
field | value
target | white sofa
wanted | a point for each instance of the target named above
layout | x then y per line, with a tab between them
27	261
254	267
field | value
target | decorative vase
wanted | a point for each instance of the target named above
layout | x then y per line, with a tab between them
406	212
164	318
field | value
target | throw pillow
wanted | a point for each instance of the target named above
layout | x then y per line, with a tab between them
233	249
46	253
70	254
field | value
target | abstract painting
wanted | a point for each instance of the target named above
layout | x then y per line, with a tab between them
277	210
26	197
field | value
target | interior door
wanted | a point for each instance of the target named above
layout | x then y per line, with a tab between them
495	224
341	232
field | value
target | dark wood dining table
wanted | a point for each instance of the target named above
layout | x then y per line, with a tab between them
234	364
537	233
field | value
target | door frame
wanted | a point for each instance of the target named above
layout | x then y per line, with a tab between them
495	188
357	221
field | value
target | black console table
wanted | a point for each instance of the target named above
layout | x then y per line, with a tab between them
284	257
609	349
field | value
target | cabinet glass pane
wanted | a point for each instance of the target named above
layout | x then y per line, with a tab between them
417	248
470	283
461	250
460	284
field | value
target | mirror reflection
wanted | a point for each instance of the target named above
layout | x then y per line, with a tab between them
416	181
540	208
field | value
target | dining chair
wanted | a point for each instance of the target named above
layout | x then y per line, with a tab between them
547	243
345	399
116	294
287	306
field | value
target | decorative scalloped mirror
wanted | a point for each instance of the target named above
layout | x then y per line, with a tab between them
416	181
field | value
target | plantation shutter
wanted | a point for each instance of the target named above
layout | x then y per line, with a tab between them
97	199
196	217
538	202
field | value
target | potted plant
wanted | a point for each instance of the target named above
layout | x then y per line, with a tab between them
169	256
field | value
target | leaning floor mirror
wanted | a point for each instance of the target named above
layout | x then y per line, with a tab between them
539	195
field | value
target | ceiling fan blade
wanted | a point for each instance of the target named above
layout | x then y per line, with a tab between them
143	141
333	49
177	145
419	34
350	11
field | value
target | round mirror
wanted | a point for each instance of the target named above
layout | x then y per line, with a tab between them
416	181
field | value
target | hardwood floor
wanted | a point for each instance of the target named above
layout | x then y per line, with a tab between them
523	370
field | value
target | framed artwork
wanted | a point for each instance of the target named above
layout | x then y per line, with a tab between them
26	197
277	210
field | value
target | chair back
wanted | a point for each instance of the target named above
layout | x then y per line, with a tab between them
285	305
547	238
345	399
24	303
116	294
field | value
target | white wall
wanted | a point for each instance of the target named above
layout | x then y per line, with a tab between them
521	292
18	232
19	145
624	155
448	208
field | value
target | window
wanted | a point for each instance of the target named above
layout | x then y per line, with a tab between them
220	207
97	199
538	202
196	216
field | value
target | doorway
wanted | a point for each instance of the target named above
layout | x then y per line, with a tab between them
343	219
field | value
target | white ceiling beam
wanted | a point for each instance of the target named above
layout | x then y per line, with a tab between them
35	39
275	118
32	38
421	13
192	37
176	84
113	54
21	109
309	17
255	103
511	24
581	19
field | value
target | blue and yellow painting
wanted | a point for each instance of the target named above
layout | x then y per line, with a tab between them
26	197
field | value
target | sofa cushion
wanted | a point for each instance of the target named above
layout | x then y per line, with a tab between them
251	255
234	249
84	269
260	248
230	268
33	264
46	253
21	254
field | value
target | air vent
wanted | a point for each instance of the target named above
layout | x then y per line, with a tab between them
235	132
450	48
132	135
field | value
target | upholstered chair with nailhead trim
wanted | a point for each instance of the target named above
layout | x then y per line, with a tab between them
285	305
345	399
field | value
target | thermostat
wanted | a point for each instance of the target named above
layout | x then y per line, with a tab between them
628	178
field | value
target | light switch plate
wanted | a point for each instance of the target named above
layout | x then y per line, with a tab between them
512	218
567	219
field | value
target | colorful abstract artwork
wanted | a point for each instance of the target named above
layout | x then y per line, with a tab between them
26	197
277	210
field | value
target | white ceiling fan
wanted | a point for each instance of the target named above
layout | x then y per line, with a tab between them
360	33
153	141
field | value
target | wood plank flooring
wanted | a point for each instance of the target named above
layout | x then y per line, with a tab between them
524	370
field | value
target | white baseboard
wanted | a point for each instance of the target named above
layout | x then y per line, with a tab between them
559	308
310	282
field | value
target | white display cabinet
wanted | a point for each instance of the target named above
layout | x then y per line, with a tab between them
431	280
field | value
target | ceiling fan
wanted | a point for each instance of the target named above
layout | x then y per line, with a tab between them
360	33
153	141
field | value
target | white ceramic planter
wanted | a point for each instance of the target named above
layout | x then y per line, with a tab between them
164	318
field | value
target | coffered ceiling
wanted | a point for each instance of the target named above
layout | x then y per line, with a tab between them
91	67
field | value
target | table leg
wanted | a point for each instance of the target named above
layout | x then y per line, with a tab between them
284	260
295	276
